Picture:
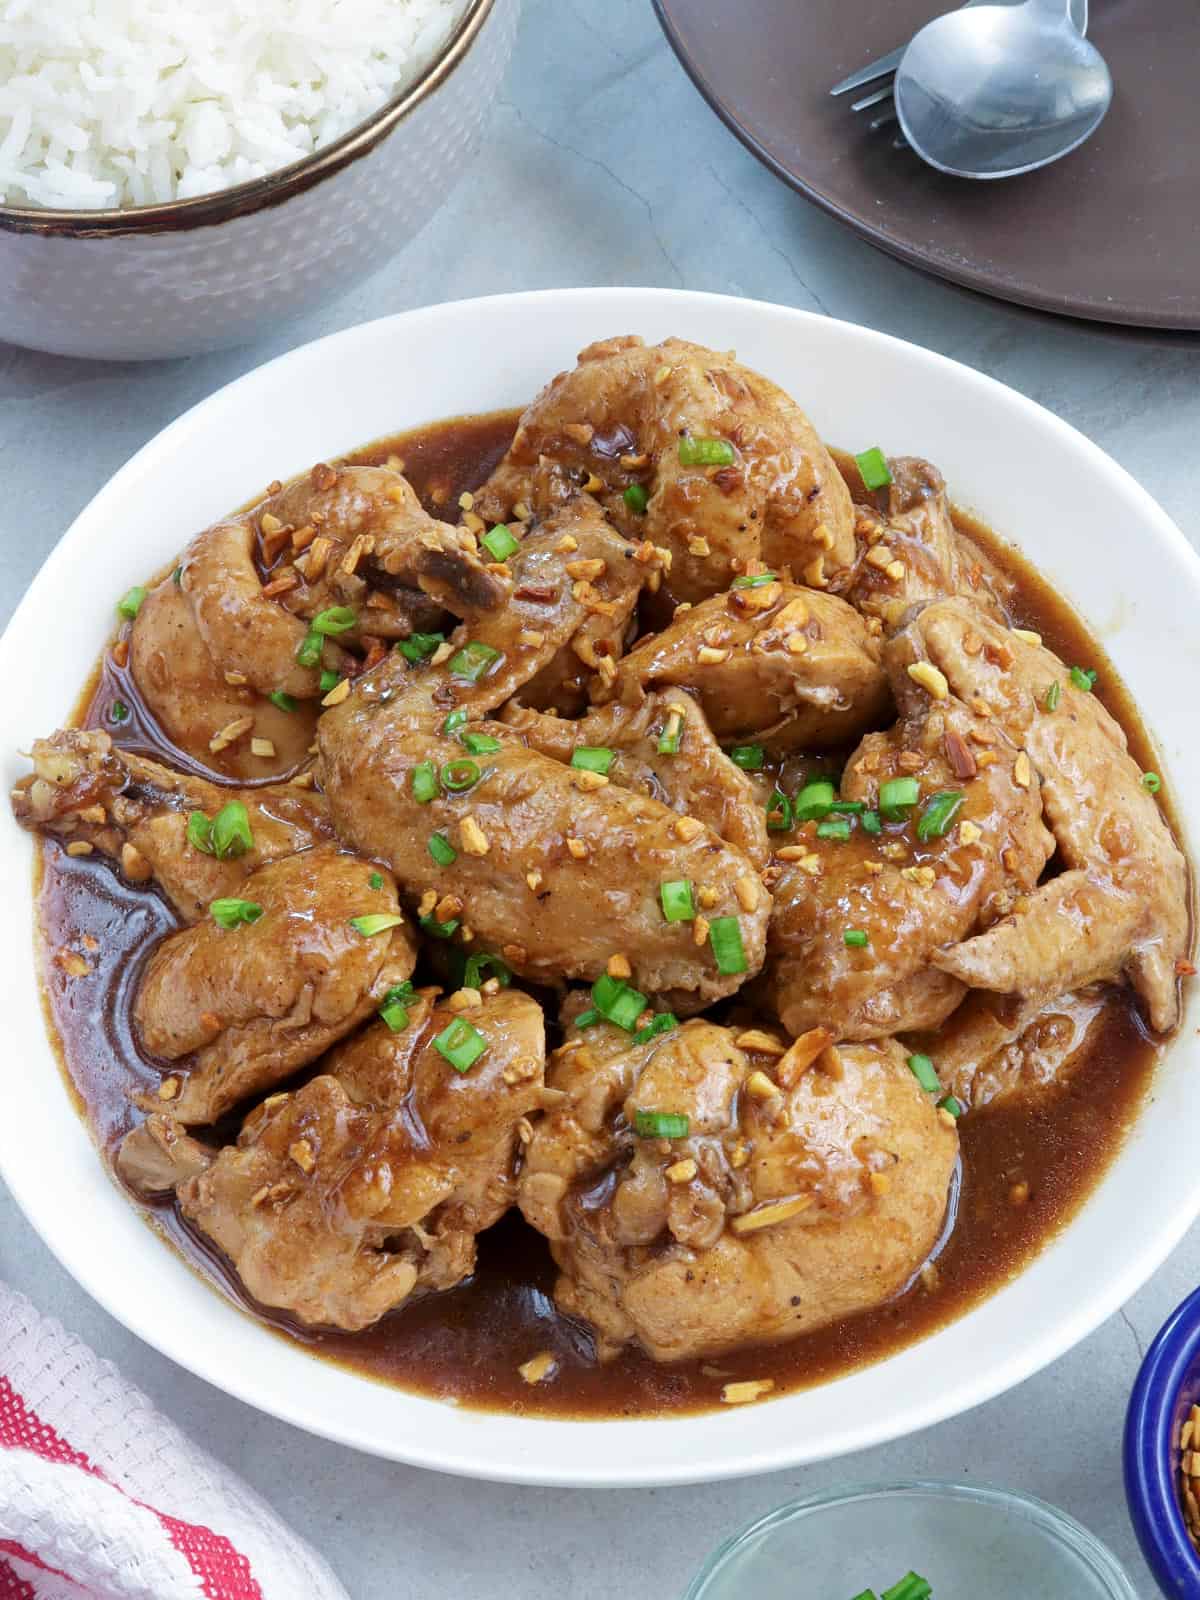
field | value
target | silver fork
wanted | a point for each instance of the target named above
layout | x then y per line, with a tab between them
885	67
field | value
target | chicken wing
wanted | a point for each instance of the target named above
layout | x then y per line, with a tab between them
694	452
790	668
781	1193
343	1199
1120	907
913	897
238	1008
94	796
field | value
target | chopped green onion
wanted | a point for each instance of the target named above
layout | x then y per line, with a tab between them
477	966
461	1044
177	575
309	653
284	701
867	1594
910	1587
897	797
473	660
834	828
118	711
940	811
636	498
872	464
1151	782
849	808
1052	694
779	813
677	902
394	1010
1083	678
480	744
697	452
747	756
663	1023
332	621
870	823
458	776
424	782
229	913
588	1018
439	930
499	543
921	1068
593	758
376	922
758	581
455	721
375	881
949	1103
130	602
442	851
660	1125
617	1002
814	800
725	937
231	834
420	646
668	743
199	833
329	678
855	939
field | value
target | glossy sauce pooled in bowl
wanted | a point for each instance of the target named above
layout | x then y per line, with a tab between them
1025	1167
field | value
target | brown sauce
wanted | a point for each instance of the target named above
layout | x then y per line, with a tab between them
467	1344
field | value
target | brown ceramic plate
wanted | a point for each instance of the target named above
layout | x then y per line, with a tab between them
1111	233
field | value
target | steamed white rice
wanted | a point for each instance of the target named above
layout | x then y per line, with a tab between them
132	102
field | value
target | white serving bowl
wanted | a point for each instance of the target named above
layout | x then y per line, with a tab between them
1099	537
192	275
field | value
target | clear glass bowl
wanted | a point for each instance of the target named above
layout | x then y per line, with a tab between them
988	1544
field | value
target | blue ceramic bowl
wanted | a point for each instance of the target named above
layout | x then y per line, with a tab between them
1167	1386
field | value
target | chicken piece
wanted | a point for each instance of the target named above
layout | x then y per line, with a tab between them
775	1213
555	871
85	791
157	1155
366	518
910	550
345	1198
996	1048
619	417
1120	907
241	1008
791	668
197	709
912	897
697	779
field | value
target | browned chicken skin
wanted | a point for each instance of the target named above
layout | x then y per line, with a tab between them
1121	905
913	898
696	780
775	1213
344	1198
619	417
90	794
241	1008
788	667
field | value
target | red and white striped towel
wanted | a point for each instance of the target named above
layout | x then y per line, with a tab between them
101	1498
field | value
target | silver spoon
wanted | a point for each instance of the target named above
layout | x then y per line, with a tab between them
993	90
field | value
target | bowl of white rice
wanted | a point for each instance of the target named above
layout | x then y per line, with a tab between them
175	176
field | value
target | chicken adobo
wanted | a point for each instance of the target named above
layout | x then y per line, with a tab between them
610	909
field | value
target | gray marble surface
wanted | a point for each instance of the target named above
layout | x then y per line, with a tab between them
603	166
